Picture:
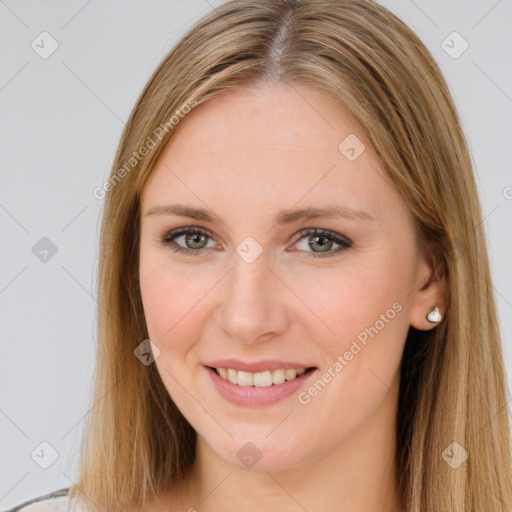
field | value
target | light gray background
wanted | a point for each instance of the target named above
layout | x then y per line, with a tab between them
60	122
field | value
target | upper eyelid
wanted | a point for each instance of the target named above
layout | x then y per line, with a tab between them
187	229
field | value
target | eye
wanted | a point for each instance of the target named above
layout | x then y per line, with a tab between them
323	239
196	239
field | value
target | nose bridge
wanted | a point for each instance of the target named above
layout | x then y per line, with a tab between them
249	278
250	275
251	305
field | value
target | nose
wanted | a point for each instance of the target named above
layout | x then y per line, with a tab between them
254	304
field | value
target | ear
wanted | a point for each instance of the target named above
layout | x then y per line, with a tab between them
430	289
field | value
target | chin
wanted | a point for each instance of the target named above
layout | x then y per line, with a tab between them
260	451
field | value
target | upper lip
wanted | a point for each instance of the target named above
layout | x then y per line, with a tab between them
256	366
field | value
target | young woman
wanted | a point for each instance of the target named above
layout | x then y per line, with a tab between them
296	307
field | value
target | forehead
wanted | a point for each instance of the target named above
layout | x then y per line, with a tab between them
261	146
275	118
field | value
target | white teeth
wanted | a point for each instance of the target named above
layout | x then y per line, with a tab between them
259	379
290	374
278	376
232	374
244	378
262	379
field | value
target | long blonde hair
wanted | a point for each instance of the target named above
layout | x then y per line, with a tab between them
453	386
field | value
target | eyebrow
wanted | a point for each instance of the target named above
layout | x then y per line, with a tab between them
283	216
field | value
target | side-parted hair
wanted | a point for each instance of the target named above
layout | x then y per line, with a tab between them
453	386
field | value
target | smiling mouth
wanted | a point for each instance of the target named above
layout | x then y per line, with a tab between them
263	379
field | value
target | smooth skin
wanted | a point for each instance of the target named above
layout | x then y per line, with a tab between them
245	156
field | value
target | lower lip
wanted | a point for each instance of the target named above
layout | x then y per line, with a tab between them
252	396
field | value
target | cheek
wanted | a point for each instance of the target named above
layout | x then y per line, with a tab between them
352	298
362	316
364	313
174	318
172	303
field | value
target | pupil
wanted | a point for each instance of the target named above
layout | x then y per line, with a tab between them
196	238
316	238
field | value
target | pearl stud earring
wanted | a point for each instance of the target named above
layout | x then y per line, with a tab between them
434	316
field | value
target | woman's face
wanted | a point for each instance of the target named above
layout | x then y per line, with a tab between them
256	289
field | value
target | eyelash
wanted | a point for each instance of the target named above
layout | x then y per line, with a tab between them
168	240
